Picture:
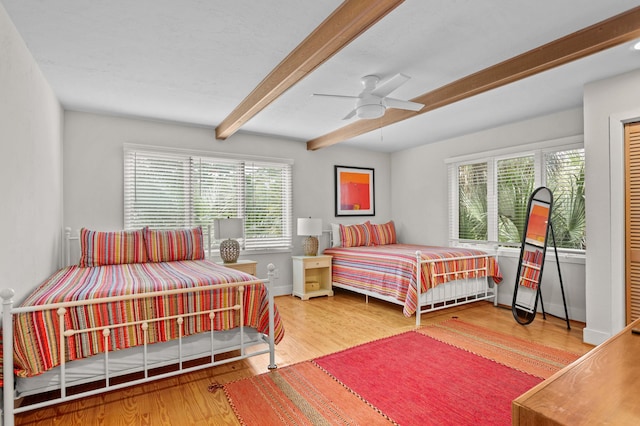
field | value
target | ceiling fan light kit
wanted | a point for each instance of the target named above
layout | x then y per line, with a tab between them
370	111
372	102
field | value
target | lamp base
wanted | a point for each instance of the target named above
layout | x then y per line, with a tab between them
229	251
310	246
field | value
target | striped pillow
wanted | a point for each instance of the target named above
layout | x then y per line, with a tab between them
355	235
174	244
383	234
111	248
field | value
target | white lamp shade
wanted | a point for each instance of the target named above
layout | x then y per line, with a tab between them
309	226
228	228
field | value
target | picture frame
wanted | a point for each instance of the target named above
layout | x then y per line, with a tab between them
354	191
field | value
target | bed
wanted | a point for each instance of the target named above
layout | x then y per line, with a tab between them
367	259
139	306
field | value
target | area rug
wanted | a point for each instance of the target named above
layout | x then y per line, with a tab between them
529	357
408	379
301	394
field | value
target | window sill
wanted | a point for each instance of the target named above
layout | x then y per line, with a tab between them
577	258
514	252
252	252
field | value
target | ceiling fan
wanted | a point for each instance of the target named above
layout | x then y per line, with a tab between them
372	102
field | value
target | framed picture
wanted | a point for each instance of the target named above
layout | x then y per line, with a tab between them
355	191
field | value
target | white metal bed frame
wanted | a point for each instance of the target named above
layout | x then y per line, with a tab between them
247	349
453	293
476	288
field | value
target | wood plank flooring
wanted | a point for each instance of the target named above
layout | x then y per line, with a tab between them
313	328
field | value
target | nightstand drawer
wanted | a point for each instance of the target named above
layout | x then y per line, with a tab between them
246	266
322	262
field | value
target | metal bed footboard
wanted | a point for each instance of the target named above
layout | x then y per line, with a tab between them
8	310
442	296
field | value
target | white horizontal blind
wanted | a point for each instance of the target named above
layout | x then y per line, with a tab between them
564	176
489	196
268	205
216	190
156	190
515	182
471	181
173	190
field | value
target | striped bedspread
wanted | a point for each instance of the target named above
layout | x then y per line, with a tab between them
37	334
390	270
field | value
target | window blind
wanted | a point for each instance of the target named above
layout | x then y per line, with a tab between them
156	190
564	176
173	190
488	197
472	200
515	182
268	205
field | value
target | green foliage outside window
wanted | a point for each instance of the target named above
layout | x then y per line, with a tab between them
510	189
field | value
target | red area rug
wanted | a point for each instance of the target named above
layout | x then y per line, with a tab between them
415	379
408	379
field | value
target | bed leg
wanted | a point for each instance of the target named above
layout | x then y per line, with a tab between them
272	346
7	365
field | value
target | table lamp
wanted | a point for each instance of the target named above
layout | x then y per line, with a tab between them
310	228
227	230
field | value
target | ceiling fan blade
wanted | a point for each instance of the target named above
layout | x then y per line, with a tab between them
390	85
335	96
350	115
400	104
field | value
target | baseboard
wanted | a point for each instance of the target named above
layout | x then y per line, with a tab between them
594	337
283	290
557	309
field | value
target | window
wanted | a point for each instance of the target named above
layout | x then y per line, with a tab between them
489	195
172	189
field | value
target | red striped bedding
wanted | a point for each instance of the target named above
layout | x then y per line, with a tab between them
36	334
390	270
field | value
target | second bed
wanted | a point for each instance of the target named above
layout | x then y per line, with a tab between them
449	276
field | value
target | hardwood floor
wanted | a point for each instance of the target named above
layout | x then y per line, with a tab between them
312	328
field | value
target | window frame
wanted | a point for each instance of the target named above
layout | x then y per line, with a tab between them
491	158
188	155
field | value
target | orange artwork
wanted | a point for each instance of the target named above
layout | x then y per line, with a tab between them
354	191
537	226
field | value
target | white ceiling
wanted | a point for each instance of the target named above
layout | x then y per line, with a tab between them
194	61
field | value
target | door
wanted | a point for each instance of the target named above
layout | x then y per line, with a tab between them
632	220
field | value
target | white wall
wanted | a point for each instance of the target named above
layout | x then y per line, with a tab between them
30	167
420	200
607	104
93	174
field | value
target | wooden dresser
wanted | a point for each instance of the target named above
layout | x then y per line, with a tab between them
602	387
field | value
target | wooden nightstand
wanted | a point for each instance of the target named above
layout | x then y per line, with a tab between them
247	266
311	276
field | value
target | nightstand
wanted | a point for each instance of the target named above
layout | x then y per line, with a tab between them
247	266
311	276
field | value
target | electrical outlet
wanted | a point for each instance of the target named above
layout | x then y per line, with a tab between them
276	273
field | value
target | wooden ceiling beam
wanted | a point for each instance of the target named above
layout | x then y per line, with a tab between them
611	32
346	23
